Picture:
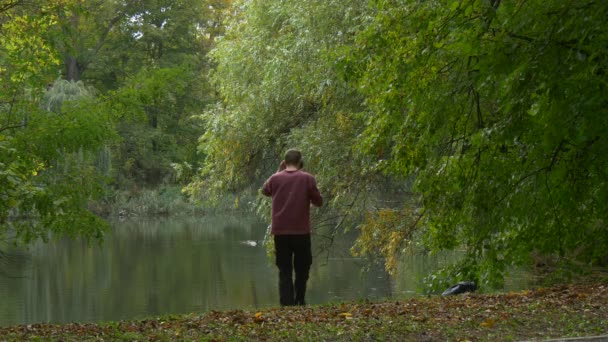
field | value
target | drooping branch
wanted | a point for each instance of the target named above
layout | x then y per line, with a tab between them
5	6
570	45
5	128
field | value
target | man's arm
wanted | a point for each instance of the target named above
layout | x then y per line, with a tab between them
267	189
314	194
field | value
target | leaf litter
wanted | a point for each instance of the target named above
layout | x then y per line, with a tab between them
569	310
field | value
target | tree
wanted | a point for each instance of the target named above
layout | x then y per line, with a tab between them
43	142
149	34
279	86
86	27
498	109
474	111
131	68
161	80
160	130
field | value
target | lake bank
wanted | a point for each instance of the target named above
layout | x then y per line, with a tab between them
563	311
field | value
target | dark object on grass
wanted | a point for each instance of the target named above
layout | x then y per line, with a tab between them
462	287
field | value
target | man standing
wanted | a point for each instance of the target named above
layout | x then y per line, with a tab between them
292	191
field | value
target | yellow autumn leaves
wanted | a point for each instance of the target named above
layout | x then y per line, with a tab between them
386	232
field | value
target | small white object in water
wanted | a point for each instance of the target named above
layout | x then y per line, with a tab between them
250	243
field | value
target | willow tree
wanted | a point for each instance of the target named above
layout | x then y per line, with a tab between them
279	87
499	110
495	110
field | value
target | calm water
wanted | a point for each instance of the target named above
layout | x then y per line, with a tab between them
147	268
158	267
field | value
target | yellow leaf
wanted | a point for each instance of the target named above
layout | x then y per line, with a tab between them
488	323
346	315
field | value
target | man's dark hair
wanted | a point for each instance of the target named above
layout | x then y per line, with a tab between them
293	157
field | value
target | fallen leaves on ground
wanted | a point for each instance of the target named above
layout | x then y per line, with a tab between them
573	310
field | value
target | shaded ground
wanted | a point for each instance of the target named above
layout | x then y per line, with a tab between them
566	311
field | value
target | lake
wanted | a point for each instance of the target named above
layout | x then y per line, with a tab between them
165	266
171	266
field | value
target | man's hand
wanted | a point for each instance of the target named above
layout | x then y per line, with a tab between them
282	166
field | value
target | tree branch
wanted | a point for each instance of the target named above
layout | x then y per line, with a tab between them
107	30
2	129
9	4
480	123
567	45
546	169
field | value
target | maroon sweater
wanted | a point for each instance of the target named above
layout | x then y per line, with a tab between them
292	193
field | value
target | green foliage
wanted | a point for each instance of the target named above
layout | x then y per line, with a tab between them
152	69
493	111
47	138
132	76
51	160
64	91
162	201
113	41
15	177
499	110
279	89
159	130
26	56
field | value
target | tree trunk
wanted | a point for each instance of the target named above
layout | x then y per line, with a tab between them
72	70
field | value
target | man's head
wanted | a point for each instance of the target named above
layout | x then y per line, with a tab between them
293	157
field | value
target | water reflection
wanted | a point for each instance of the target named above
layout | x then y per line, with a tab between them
154	267
158	267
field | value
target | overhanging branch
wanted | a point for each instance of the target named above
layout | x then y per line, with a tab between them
2	129
9	4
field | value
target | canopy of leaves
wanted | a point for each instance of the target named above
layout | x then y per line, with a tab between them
132	74
153	68
279	88
496	109
44	135
500	110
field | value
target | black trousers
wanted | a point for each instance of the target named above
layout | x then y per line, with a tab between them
293	253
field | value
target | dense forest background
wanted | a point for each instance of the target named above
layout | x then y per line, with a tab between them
470	125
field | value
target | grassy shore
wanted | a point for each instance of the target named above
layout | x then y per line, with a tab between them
565	311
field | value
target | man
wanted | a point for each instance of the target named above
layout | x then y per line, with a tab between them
292	191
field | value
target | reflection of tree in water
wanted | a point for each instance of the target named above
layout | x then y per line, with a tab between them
169	266
213	227
149	268
14	266
345	278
